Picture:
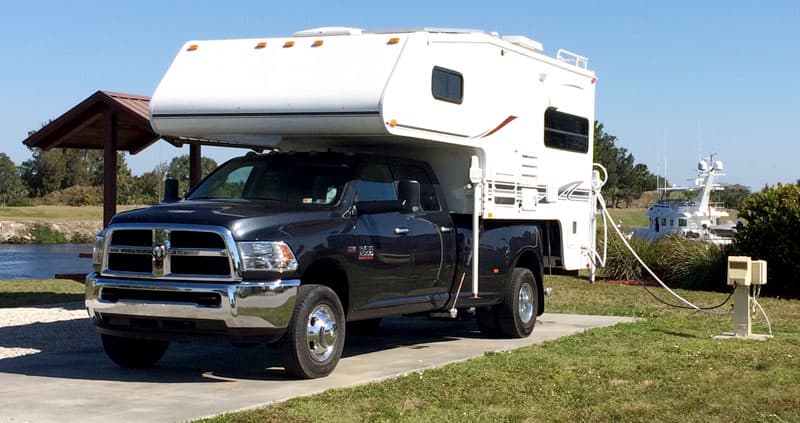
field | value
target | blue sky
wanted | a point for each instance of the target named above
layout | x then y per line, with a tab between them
676	77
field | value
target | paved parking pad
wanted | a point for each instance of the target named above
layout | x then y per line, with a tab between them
60	372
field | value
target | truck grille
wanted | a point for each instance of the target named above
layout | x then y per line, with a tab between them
196	253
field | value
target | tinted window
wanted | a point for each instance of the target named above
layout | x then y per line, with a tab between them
565	131
229	184
447	85
286	179
376	184
429	201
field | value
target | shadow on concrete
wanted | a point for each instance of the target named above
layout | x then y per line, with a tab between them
71	349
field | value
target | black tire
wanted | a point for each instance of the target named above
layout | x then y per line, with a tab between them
133	353
516	315
317	308
487	322
364	327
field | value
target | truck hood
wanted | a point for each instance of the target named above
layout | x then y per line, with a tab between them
247	220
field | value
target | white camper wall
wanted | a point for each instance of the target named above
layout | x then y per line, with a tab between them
409	102
231	87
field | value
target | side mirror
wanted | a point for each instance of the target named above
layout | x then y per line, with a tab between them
409	193
171	190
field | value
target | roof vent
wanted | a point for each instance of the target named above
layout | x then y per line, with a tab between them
328	30
524	42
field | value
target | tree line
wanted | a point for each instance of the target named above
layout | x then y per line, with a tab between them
75	177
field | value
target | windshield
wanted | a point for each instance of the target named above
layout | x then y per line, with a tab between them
283	178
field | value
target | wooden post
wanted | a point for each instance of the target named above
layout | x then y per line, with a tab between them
194	165
110	168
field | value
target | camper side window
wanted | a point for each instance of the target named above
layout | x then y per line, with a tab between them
565	131
447	85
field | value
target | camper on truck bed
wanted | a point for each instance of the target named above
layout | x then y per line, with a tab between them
402	172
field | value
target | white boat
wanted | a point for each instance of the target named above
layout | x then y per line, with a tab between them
694	219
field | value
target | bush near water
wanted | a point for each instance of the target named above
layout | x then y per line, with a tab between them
679	262
46	233
771	233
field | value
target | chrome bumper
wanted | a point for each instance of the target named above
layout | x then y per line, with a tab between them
243	305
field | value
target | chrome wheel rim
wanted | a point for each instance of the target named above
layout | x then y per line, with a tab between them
525	303
321	332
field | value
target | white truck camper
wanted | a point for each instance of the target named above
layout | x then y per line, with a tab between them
507	129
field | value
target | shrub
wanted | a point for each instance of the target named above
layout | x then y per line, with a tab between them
621	265
81	238
678	262
42	233
772	233
691	264
77	195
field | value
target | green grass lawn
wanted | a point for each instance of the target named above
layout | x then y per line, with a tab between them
629	217
21	293
55	213
666	367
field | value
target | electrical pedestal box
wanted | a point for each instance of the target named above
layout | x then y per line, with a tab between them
743	273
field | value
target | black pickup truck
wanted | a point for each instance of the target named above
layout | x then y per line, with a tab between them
290	248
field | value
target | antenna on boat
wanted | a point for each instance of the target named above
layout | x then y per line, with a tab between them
699	141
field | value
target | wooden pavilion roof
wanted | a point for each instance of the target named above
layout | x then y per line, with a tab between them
83	126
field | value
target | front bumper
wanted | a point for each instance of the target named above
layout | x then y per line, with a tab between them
157	308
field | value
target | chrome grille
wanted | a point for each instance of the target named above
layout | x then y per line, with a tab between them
179	252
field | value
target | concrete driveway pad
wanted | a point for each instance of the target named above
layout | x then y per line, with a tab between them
57	370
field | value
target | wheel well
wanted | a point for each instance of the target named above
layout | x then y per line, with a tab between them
530	261
329	273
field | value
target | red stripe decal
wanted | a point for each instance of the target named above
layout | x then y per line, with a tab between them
499	127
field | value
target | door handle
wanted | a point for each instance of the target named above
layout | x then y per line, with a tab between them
445	229
400	231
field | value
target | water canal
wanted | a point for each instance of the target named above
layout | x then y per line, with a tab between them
25	261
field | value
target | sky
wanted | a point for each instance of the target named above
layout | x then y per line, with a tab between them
675	78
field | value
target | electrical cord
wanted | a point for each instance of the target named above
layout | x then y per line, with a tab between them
641	283
614	226
769	326
756	295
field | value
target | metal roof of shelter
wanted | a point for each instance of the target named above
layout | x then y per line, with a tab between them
83	126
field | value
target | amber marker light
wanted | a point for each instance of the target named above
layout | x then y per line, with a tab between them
261	44
192	47
317	43
393	41
288	44
393	123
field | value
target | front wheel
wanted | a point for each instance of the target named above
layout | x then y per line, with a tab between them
516	315
314	340
133	353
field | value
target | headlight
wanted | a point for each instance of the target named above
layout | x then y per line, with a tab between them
97	251
267	255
